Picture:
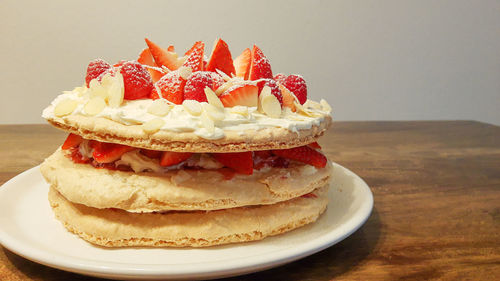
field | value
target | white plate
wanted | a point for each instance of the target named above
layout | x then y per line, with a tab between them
28	228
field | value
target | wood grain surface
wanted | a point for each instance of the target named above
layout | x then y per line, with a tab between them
437	202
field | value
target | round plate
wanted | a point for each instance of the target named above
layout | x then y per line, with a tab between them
28	228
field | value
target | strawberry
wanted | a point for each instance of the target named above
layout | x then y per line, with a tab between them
303	154
275	89
288	98
146	59
241	162
260	67
136	80
280	78
119	63
297	85
95	69
265	158
196	83
246	95
76	156
171	86
242	64
109	152
195	57
221	59
153	154
169	158
72	141
171	48
162	57
314	145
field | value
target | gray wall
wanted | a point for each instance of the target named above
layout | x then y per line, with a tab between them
372	60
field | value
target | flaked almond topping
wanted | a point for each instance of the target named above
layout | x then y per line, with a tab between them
325	105
159	108
116	91
239	109
185	72
207	122
65	107
212	98
192	106
153	125
269	103
97	90
94	106
222	88
213	112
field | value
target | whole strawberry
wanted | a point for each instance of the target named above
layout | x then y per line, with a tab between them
297	85
196	83
136	80
95	69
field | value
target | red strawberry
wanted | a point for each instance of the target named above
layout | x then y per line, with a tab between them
303	154
280	78
153	154
95	69
145	58
171	86
240	95
241	162
171	48
72	141
169	158
162	57
297	85
275	89
242	64
136	80
195	56
196	83
221	59
314	145
108	152
288	98
76	156
119	63
260	67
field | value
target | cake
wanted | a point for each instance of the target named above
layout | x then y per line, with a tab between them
187	151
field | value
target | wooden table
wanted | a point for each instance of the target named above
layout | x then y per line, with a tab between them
437	202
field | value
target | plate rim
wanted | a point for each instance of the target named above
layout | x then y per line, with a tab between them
236	267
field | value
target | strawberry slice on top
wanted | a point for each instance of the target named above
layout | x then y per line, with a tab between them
221	59
163	57
297	85
171	86
246	94
195	57
242	64
198	81
146	59
241	162
260	67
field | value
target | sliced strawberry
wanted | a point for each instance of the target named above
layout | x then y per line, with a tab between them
146	59
196	83
169	158
275	89
153	154
280	78
314	145
242	64
260	67
221	59
108	152
136	80
297	85
95	69
171	86
195	57
171	48
76	156
241	162
288	98
246	95
303	154
72	141
265	158
162	57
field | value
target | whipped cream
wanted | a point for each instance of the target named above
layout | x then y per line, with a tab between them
178	119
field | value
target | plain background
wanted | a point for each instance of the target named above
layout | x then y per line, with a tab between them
372	60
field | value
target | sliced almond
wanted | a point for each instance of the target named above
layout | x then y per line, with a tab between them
271	106
213	112
207	122
185	72
94	106
224	75
212	98
241	110
97	90
222	88
116	91
65	107
192	106
159	107
325	105
153	125
266	91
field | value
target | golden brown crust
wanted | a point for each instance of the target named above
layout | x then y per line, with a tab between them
117	228
201	190
106	130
